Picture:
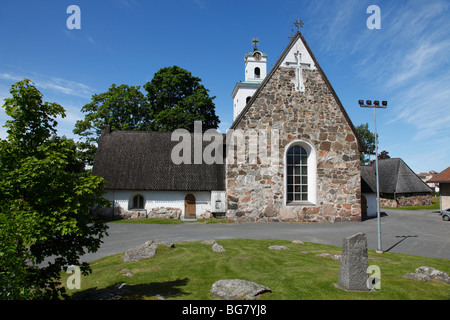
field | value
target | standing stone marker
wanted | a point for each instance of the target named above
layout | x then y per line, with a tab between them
354	263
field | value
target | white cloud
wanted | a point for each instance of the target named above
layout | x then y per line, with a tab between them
91	40
55	84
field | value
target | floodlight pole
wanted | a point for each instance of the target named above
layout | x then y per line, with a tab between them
375	106
379	250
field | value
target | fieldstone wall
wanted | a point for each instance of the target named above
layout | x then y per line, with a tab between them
121	213
405	200
256	191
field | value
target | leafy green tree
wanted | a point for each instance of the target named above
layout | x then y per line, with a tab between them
177	99
45	196
121	107
368	139
384	155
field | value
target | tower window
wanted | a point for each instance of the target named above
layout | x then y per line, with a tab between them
248	99
257	73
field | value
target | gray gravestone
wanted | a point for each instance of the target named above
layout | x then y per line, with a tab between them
354	263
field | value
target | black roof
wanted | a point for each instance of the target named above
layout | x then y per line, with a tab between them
141	160
395	177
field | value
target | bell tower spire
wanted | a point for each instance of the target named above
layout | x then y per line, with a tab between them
255	72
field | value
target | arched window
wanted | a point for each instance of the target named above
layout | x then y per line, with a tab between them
248	99
257	73
297	174
300	173
138	202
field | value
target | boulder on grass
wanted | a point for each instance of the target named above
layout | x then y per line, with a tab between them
145	251
230	289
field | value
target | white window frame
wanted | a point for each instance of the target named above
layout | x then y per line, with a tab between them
312	173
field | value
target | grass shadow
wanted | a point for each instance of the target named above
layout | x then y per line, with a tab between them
166	289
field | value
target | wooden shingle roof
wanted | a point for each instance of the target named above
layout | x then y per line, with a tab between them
394	176
141	160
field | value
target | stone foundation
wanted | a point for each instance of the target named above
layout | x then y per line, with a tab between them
155	213
298	214
405	200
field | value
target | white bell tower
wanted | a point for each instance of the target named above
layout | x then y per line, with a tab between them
255	72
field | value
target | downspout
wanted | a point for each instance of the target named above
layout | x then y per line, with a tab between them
114	200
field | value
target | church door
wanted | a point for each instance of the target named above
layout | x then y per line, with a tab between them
363	208
189	207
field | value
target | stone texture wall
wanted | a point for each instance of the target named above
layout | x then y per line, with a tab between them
405	200
256	191
121	213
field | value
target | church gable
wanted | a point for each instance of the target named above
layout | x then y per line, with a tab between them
298	56
316	176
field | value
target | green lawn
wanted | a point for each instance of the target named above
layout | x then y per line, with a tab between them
188	271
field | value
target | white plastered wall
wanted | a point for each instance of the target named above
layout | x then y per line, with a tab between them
158	199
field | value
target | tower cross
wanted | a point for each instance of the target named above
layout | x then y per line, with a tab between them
299	24
255	41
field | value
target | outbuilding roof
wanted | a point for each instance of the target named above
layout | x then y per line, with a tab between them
141	160
394	177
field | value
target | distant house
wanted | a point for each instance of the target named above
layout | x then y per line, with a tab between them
443	178
426	176
399	185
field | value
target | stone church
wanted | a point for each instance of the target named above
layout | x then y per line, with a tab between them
292	154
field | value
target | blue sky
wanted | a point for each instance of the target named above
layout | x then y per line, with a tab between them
406	62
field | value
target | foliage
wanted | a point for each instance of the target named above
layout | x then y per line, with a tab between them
175	99
121	107
45	196
33	121
368	139
384	155
178	99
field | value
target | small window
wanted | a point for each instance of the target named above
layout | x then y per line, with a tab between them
138	202
248	99
257	73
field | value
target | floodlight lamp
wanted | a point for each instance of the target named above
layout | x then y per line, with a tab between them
384	103
369	102
376	102
361	102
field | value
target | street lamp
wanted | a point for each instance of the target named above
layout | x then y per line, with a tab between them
376	104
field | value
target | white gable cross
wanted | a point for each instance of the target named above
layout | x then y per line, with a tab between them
299	85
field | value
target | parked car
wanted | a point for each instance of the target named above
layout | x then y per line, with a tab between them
446	214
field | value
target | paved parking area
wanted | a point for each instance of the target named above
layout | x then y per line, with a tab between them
418	232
